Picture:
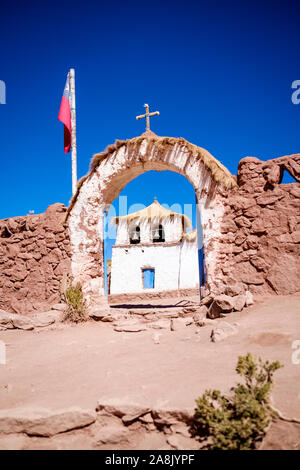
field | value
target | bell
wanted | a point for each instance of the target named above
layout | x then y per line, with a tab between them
156	235
135	236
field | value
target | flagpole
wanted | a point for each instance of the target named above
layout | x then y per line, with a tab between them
73	137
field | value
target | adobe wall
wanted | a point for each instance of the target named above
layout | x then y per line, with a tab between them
261	229
251	234
34	255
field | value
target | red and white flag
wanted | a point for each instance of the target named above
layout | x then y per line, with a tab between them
64	116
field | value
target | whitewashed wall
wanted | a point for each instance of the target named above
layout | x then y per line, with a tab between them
176	267
189	266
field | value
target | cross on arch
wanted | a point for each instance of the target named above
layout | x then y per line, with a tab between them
147	116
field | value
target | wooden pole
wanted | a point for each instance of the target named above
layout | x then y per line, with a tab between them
73	123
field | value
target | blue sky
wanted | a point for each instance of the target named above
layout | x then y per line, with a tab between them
219	72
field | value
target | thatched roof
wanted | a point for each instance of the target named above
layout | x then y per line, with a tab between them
190	236
153	212
218	171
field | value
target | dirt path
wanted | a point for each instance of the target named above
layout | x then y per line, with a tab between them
78	365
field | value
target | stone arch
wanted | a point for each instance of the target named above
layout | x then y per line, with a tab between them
112	170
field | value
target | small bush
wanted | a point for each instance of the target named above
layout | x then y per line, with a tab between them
75	310
239	422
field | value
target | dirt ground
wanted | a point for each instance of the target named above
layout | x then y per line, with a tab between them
78	365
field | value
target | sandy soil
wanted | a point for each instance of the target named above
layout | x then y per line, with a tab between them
79	365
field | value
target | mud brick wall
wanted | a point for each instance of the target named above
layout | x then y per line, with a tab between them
260	246
34	255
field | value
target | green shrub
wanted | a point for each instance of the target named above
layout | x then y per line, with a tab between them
75	310
238	422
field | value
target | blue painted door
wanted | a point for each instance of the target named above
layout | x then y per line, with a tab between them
148	278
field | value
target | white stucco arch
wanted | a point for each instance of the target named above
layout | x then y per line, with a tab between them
112	170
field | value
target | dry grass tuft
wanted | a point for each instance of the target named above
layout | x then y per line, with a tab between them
75	310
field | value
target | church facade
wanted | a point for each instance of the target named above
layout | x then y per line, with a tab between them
154	252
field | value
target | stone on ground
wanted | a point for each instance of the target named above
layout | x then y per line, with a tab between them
43	422
223	331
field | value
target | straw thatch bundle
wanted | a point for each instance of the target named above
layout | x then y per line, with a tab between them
154	212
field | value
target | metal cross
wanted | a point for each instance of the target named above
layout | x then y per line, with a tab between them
147	116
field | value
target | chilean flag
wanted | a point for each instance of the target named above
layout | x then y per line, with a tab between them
64	116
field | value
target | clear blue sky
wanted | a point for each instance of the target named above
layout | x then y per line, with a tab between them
219	72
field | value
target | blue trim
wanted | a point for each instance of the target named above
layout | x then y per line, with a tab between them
104	254
201	257
202	273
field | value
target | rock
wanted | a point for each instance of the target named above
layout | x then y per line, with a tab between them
43	422
234	288
285	238
238	202
228	225
252	212
258	227
284	274
156	337
115	407
187	311
130	328
247	274
214	310
167	417
272	174
239	302
207	300
180	442
22	323
295	192
206	322
40	320
222	332
108	318
259	263
129	419
240	237
100	315
202	311
243	222
61	307
13	320
268	199
6	320
180	428
296	236
198	318
249	298
160	324
224	302
146	419
111	434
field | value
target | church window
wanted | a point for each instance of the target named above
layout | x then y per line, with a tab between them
158	234
135	235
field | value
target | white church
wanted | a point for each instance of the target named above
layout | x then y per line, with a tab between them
154	252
